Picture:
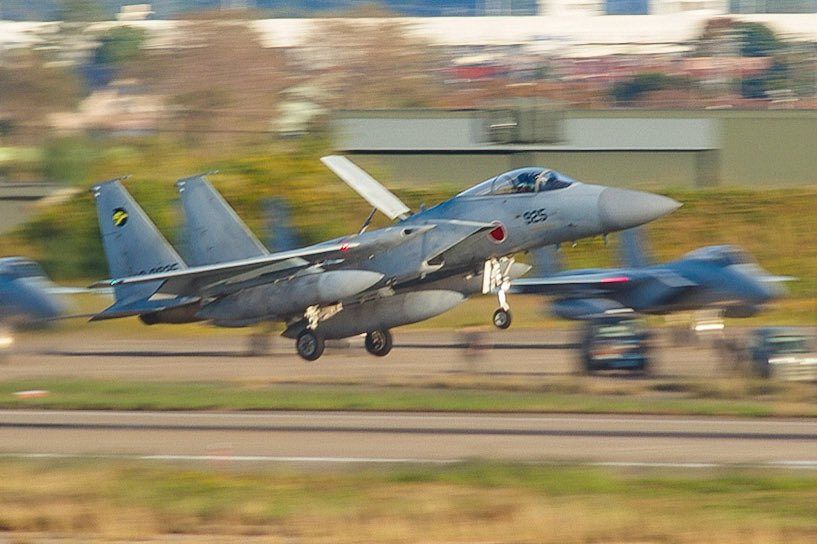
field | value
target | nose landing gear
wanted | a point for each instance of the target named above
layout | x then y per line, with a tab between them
496	277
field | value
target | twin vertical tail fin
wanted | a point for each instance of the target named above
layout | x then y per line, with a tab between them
281	234
213	232
547	261
634	248
133	244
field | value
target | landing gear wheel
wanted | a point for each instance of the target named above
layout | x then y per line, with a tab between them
309	345
502	318
379	342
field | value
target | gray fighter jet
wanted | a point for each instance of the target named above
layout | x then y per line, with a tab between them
722	277
27	297
423	265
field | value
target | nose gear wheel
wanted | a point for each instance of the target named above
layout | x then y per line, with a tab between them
496	278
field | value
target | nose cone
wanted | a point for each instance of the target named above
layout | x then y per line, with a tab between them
621	209
34	304
753	284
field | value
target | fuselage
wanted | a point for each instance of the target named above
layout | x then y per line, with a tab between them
722	277
521	221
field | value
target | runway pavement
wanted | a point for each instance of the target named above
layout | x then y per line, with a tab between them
365	438
159	355
425	357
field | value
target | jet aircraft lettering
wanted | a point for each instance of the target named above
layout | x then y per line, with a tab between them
159	269
535	216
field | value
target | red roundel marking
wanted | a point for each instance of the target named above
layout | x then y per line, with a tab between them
498	233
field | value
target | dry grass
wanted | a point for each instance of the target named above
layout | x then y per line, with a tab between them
474	502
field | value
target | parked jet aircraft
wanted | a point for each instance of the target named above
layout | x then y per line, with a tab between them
424	265
27	296
721	277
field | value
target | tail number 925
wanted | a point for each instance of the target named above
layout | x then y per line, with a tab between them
535	216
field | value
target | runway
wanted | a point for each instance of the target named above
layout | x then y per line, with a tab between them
158	355
365	438
422	358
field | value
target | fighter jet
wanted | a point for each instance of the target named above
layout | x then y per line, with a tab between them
722	277
28	299
367	283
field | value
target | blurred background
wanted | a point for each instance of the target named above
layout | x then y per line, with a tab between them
711	101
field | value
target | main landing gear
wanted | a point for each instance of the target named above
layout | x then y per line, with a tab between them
310	344
379	343
496	277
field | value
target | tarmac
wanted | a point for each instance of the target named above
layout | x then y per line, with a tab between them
419	357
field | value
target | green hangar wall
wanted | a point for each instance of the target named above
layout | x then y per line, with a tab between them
619	147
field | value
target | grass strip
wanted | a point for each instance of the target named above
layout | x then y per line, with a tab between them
564	398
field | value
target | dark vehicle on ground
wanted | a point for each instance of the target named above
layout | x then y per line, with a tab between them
784	353
615	343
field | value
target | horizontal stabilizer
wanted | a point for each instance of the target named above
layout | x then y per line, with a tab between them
367	187
198	279
141	307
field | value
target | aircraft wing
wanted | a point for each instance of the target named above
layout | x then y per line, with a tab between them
367	187
600	282
218	278
573	284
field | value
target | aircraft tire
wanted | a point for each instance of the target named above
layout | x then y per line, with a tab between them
379	342
310	345
502	319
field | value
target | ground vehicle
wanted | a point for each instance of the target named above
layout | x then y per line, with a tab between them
616	342
783	352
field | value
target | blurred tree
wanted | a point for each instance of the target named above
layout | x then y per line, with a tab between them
726	37
631	90
119	45
218	76
69	159
81	11
376	64
757	40
31	88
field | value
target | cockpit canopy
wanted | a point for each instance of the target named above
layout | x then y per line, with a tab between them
725	255
522	180
18	267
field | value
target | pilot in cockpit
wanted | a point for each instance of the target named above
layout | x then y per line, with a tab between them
548	180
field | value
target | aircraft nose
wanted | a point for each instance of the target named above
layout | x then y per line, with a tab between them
621	209
753	283
36	304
